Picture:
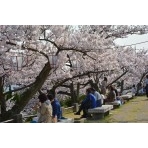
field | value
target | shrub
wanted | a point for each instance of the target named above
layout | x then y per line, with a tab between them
67	102
82	97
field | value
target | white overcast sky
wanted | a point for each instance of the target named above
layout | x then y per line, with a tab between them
133	39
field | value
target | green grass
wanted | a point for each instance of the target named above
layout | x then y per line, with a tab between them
133	111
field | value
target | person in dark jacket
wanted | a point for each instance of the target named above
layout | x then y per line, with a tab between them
88	103
56	108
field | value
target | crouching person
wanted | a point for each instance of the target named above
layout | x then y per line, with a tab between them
88	103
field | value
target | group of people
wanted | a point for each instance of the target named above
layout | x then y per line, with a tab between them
48	109
95	99
112	95
142	88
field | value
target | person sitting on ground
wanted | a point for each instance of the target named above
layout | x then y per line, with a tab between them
56	108
98	97
45	110
88	103
111	97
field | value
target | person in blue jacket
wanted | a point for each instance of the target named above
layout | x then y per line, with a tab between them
98	97
56	108
88	103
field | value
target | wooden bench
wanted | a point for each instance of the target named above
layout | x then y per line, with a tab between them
100	112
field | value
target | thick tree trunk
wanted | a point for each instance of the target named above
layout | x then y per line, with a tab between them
2	97
29	93
2	100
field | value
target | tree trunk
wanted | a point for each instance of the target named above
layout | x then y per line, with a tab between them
94	85
29	93
138	86
72	92
122	86
78	91
2	97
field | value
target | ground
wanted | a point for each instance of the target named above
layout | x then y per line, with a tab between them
133	111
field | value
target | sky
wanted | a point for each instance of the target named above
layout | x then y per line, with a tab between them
133	39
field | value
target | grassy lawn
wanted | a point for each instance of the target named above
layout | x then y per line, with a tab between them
133	111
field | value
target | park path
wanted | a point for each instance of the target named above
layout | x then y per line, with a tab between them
133	111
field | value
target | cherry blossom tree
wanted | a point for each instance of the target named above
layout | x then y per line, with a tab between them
89	47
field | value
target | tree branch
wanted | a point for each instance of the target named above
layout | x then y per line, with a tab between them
143	75
52	42
75	76
75	49
35	50
29	48
18	89
118	78
64	85
64	93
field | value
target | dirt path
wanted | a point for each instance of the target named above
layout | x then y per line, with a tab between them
134	111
